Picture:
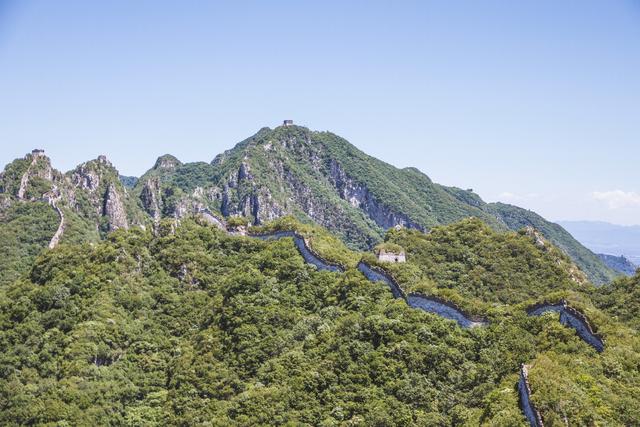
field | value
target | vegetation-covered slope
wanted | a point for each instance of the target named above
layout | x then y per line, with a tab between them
290	170
194	326
478	262
621	299
25	229
516	218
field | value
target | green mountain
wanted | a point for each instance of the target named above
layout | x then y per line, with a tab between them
41	207
620	264
317	177
515	218
621	299
189	325
320	177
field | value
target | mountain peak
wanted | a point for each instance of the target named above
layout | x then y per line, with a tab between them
167	161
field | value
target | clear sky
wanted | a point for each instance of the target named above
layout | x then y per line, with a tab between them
533	103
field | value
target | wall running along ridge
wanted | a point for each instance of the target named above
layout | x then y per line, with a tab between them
60	231
375	274
431	304
306	252
530	411
568	315
572	318
446	309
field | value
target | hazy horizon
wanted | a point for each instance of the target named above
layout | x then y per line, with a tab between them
530	104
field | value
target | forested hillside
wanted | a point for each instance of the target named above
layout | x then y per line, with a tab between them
621	299
317	177
194	326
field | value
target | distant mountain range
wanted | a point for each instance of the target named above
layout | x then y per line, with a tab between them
606	238
619	263
290	170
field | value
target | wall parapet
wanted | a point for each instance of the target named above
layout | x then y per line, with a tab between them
430	304
304	248
573	318
524	389
375	273
471	317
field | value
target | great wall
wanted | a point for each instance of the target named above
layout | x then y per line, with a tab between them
572	318
569	316
530	412
60	231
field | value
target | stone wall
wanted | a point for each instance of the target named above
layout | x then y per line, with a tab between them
430	304
376	274
446	309
524	390
60	231
572	318
307	253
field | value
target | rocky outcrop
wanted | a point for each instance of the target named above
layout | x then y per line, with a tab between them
86	177
25	180
537	237
167	162
114	209
39	167
94	190
212	219
359	196
240	197
151	198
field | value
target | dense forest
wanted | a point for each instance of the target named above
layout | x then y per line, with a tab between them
190	325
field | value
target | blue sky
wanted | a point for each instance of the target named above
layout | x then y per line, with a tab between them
533	103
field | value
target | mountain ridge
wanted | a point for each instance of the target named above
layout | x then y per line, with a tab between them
289	170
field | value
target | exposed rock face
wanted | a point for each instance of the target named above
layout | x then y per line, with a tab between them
151	198
5	202
94	190
537	238
86	177
359	196
39	169
114	209
167	162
